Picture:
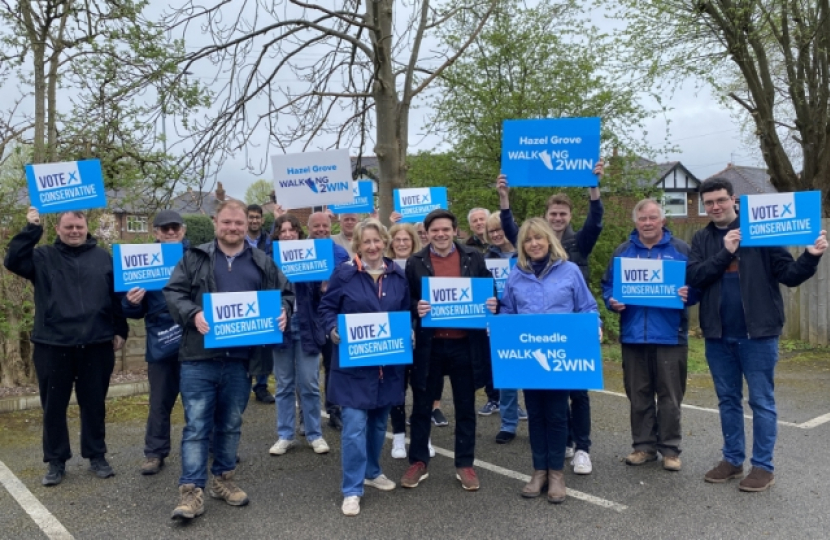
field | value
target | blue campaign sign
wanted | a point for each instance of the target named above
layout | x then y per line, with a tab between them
456	302
305	260
649	282
242	319
500	268
144	265
375	339
363	203
780	219
559	152
546	352
413	204
70	185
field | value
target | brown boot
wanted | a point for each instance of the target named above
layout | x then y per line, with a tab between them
556	487
538	482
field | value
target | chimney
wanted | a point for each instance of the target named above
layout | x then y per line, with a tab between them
220	192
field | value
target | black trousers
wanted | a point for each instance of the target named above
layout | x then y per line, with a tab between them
88	368
163	377
326	351
450	357
659	371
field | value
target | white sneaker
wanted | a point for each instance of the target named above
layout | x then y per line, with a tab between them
582	462
381	482
569	452
282	446
431	449
399	446
351	506
320	446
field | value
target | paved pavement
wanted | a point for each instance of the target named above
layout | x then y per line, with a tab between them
297	495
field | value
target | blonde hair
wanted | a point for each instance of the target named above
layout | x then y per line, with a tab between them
494	221
539	226
410	230
230	203
369	223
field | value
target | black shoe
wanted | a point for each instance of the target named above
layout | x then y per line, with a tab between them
438	418
263	396
335	422
55	474
100	467
505	437
301	426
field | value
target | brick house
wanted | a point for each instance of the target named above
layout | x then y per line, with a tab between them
747	180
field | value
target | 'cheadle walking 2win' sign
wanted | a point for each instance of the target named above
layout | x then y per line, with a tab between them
375	339
242	319
456	302
313	179
546	352
148	266
649	282
66	186
413	204
305	260
559	152
780	219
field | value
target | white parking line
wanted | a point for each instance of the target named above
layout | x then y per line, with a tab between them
44	519
525	478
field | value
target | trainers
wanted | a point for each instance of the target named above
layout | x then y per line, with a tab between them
468	478
223	487
351	506
100	467
723	472
438	418
758	479
430	448
282	446
638	457
263	395
504	437
320	446
399	446
152	465
414	475
582	462
522	414
381	482
672	463
489	408
55	473
191	502
570	451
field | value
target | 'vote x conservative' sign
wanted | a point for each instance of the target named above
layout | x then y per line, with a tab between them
500	268
649	282
66	186
456	302
413	204
305	260
780	219
148	266
375	339
241	319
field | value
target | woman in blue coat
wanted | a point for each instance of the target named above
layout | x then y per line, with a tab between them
543	281
370	283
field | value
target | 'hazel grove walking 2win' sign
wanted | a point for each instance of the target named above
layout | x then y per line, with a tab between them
66	186
313	179
363	202
148	266
242	319
375	339
456	302
780	219
305	260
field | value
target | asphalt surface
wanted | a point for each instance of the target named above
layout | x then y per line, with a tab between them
297	495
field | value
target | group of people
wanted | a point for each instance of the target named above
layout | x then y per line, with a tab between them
80	322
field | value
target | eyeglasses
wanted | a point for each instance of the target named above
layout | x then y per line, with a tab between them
719	202
494	231
405	240
174	227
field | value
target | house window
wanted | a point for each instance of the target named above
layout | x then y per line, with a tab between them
701	210
137	224
674	204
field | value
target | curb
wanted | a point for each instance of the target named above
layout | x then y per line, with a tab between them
22	403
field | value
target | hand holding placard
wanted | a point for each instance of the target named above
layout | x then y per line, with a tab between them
33	216
820	246
201	323
732	240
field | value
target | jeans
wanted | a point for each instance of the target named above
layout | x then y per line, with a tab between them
260	381
579	420
214	394
364	432
450	356
547	419
509	410
730	361
293	368
164	389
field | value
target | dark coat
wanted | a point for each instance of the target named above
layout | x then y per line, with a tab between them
74	299
352	290
419	266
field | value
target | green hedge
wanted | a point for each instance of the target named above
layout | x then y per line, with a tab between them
200	227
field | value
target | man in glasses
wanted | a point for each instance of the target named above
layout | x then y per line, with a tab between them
741	315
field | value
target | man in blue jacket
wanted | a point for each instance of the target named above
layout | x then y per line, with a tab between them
654	344
741	315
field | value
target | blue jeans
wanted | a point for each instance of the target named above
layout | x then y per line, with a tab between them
509	410
260	381
364	432
730	361
293	368
547	424
214	395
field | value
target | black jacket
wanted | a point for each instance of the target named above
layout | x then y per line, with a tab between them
419	266
74	299
760	269
192	278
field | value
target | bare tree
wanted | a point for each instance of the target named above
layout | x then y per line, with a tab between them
325	75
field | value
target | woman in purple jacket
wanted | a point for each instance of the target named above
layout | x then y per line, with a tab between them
543	281
368	284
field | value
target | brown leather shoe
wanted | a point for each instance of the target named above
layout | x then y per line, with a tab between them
556	487
723	472
538	482
758	479
672	463
638	457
